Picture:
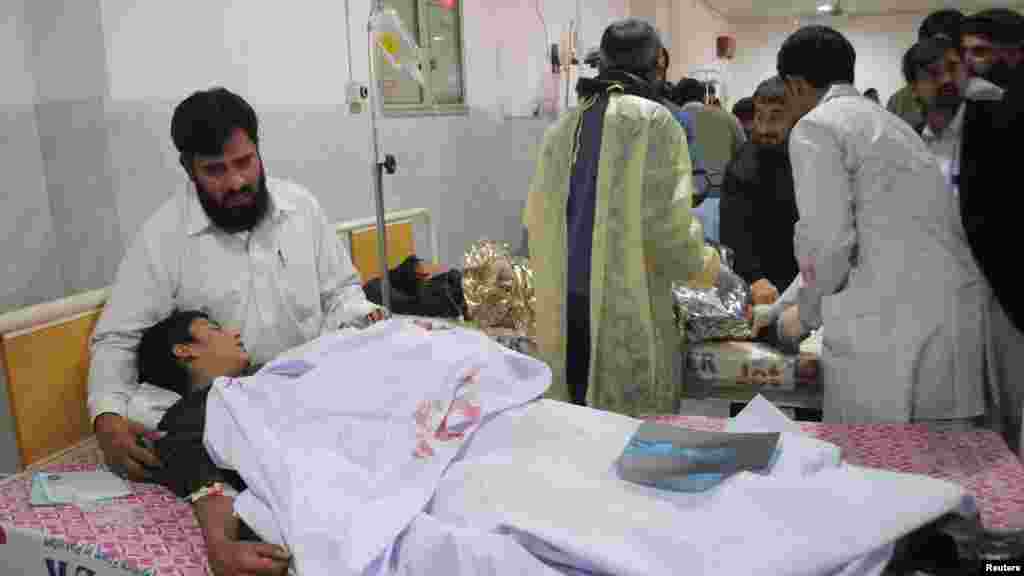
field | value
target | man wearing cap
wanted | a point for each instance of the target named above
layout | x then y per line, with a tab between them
609	224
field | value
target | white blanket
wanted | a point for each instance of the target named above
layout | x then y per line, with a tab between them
340	461
545	474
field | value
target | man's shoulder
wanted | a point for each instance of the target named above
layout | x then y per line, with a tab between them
637	106
982	90
292	193
171	216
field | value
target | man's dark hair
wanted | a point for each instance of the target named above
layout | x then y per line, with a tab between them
631	45
688	90
772	90
941	23
1000	25
744	109
818	54
155	359
205	121
923	54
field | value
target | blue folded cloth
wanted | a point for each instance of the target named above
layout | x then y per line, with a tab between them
683	460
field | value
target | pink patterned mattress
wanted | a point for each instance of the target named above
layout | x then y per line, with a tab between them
978	460
154	533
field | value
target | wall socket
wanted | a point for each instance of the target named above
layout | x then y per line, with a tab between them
357	97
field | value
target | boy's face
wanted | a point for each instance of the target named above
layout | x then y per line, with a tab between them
214	351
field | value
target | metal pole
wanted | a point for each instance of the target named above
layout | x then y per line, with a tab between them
377	167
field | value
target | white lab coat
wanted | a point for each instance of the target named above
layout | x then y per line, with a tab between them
887	270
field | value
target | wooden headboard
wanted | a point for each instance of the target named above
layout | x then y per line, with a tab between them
361	236
400	245
44	349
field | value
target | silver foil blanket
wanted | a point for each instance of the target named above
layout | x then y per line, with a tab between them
718	313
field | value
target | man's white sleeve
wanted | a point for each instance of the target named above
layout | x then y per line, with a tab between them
341	292
142	295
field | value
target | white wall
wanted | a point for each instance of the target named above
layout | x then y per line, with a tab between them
26	222
880	42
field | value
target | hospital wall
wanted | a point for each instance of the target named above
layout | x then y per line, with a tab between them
90	85
880	42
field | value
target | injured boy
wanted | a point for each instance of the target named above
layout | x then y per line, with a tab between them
189	355
184	354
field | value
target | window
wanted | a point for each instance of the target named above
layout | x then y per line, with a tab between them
437	27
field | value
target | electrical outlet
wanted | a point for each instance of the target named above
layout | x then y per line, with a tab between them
356	96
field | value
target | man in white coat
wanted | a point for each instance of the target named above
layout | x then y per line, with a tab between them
886	270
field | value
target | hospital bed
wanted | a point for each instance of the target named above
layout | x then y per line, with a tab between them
44	350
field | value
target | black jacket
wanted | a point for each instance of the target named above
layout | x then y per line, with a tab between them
989	183
187	465
759	215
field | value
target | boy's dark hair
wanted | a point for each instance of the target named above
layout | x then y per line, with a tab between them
923	54
818	54
155	359
941	23
205	121
630	45
772	91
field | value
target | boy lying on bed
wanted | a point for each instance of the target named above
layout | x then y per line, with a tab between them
514	502
184	354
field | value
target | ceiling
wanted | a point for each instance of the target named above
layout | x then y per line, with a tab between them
742	9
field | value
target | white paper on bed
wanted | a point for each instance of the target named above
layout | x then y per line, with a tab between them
346	456
798	453
555	484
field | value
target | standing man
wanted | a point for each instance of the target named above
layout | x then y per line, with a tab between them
991	44
608	217
944	23
988	159
255	252
885	271
759	212
664	88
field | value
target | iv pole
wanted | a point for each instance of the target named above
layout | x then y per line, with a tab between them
378	167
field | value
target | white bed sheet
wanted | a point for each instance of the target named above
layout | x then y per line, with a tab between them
545	472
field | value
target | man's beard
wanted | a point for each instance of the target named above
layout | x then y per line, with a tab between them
999	73
947	102
232	219
770	149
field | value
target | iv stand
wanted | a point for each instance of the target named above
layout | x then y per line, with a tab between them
378	167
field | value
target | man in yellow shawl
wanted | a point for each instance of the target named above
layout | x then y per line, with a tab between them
609	227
